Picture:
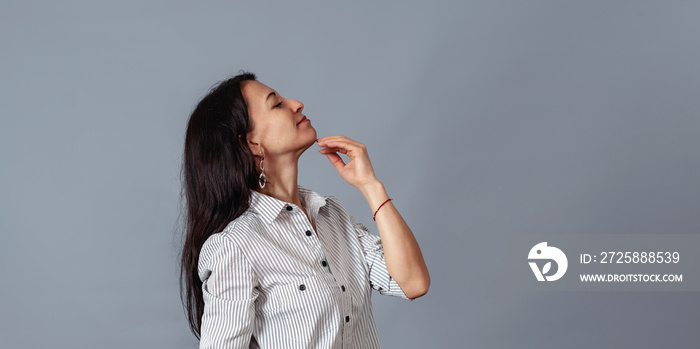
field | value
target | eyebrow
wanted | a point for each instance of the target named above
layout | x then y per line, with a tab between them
270	95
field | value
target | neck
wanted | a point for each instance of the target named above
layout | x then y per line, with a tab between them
281	173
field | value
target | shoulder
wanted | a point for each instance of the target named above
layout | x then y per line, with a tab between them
243	226
332	203
229	239
237	230
335	204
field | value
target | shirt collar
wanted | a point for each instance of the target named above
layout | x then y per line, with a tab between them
269	207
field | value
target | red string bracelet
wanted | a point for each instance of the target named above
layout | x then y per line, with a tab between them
380	206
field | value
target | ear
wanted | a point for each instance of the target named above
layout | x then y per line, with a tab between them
254	147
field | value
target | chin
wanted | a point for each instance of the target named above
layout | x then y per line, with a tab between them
315	136
309	141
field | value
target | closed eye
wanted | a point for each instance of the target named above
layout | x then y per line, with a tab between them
278	104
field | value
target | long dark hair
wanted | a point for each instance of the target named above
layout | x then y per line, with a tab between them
218	174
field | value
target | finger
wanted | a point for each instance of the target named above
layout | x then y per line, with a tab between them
336	161
332	150
339	148
323	140
349	147
339	139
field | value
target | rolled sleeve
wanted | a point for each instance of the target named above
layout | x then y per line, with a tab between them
228	288
373	250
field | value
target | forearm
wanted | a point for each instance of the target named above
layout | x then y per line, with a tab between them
402	255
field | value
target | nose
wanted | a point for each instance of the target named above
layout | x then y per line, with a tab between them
297	106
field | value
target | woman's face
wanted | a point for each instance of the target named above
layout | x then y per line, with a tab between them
276	123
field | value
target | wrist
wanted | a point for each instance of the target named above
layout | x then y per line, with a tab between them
375	194
371	187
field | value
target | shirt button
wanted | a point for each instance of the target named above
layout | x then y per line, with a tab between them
347	319
289	208
302	287
308	233
342	287
324	263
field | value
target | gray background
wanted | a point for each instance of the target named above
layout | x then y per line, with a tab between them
482	118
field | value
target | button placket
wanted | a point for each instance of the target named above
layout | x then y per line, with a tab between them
346	306
311	238
346	315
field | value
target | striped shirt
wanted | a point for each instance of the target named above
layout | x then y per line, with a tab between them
274	279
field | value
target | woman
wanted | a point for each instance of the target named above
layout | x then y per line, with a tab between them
268	263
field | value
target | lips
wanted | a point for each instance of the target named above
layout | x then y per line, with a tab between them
302	120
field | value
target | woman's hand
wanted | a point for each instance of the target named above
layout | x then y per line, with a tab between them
358	172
